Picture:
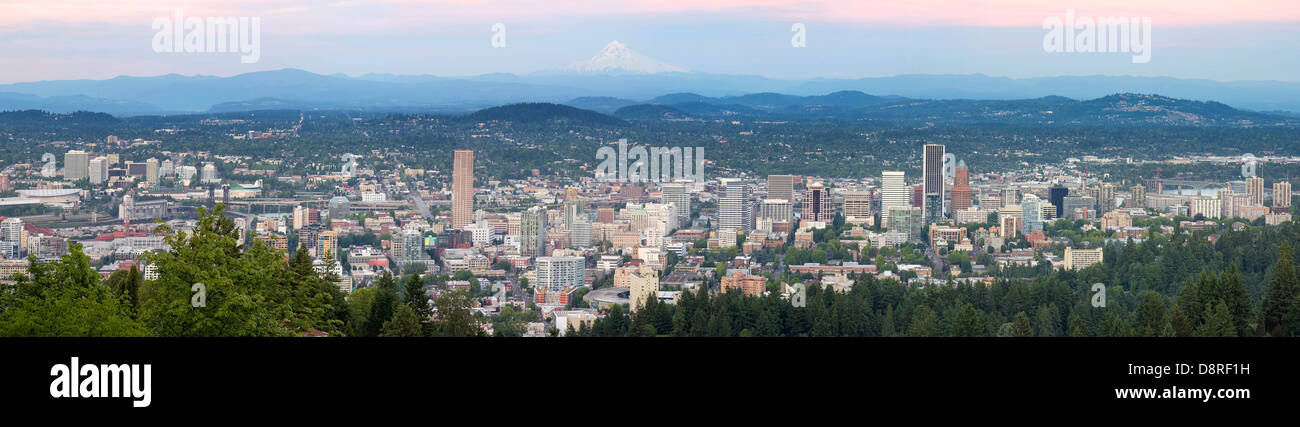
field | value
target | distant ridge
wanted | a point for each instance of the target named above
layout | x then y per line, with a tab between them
608	92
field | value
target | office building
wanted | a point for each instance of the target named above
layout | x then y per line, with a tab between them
907	220
894	192
780	187
1031	208
857	206
76	165
961	191
1056	196
98	171
679	194
817	204
932	183
776	210
462	189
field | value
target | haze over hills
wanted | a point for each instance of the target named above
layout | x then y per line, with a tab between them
614	78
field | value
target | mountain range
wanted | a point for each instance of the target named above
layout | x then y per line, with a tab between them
614	78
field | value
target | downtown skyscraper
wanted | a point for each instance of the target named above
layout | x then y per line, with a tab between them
932	182
780	187
894	192
817	204
462	189
734	210
679	194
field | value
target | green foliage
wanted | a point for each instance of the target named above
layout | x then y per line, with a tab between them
64	299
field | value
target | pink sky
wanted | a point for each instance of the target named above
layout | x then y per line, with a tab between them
29	14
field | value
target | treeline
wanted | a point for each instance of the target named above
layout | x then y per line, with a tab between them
1183	286
208	285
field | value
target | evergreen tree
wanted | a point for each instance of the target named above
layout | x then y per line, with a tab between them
383	305
1283	291
1218	321
405	324
1020	326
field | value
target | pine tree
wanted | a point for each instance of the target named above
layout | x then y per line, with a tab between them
383	305
1283	291
405	323
1150	314
1048	321
1218	321
1180	323
1077	326
1020	326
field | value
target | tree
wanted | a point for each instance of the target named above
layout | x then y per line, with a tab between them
405	323
1283	291
923	324
414	297
1218	322
1048	321
1020	326
454	318
64	299
250	292
383	305
1150	315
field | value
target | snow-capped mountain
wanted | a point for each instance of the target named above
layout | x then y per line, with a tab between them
617	58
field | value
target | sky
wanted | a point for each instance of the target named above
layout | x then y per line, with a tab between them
1218	40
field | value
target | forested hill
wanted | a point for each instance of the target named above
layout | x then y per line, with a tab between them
543	112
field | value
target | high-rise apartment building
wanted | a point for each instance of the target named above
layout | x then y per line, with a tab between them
1105	197
554	273
1139	199
532	232
733	205
151	170
1282	196
462	189
1255	190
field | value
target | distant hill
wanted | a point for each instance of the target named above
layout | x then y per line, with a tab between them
535	112
650	112
1116	109
601	104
